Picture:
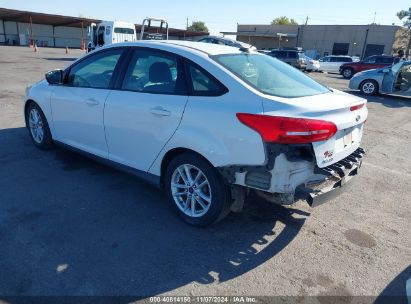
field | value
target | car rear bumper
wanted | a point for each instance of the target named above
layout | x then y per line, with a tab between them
335	177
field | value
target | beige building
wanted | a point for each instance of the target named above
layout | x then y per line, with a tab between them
322	40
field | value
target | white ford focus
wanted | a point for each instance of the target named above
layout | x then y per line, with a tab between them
207	123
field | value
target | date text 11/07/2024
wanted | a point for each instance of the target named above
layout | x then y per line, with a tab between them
203	299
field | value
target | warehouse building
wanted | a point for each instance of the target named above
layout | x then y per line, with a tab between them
323	40
47	30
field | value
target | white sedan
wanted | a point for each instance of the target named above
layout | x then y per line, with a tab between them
312	65
204	122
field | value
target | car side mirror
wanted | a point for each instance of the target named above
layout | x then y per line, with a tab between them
386	70
54	77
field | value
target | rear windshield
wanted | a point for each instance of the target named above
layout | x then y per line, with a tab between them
123	30
270	75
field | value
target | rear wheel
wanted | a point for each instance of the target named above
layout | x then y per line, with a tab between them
369	87
38	127
196	190
347	73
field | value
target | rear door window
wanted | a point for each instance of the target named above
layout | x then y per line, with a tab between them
203	83
384	60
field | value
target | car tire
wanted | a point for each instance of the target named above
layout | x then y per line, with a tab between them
369	87
348	73
38	127
200	197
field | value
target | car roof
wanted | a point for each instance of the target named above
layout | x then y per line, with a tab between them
243	44
189	46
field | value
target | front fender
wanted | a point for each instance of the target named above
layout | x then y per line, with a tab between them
40	93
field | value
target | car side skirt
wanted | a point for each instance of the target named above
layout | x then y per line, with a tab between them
151	179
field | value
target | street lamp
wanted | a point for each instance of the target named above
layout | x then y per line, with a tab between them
280	37
354	48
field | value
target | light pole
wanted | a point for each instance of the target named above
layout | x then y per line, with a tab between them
280	37
354	48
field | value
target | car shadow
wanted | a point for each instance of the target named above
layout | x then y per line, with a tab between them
395	292
71	226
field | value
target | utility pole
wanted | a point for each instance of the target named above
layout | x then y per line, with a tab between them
187	24
31	32
365	44
375	15
306	21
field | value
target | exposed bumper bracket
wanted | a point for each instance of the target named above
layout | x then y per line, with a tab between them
337	175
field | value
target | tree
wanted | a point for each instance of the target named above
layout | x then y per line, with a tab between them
283	20
198	26
407	24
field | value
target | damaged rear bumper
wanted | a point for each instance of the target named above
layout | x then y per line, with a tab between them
335	177
291	174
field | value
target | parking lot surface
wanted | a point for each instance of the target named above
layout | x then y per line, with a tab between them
70	226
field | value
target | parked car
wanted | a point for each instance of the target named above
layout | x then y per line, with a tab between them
348	70
226	41
331	64
389	80
206	123
312	65
294	57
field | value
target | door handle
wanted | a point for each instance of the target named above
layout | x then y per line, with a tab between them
160	111
92	102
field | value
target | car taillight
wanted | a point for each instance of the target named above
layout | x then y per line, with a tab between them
355	108
287	130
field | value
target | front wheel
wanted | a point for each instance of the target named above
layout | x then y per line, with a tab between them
196	190
369	87
38	127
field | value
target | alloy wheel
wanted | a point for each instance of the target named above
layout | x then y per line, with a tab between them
191	190
368	88
36	125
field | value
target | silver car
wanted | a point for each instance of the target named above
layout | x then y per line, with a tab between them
389	80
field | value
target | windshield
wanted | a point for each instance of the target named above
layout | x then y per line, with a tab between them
270	75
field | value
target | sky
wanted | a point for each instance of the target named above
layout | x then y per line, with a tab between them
222	15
